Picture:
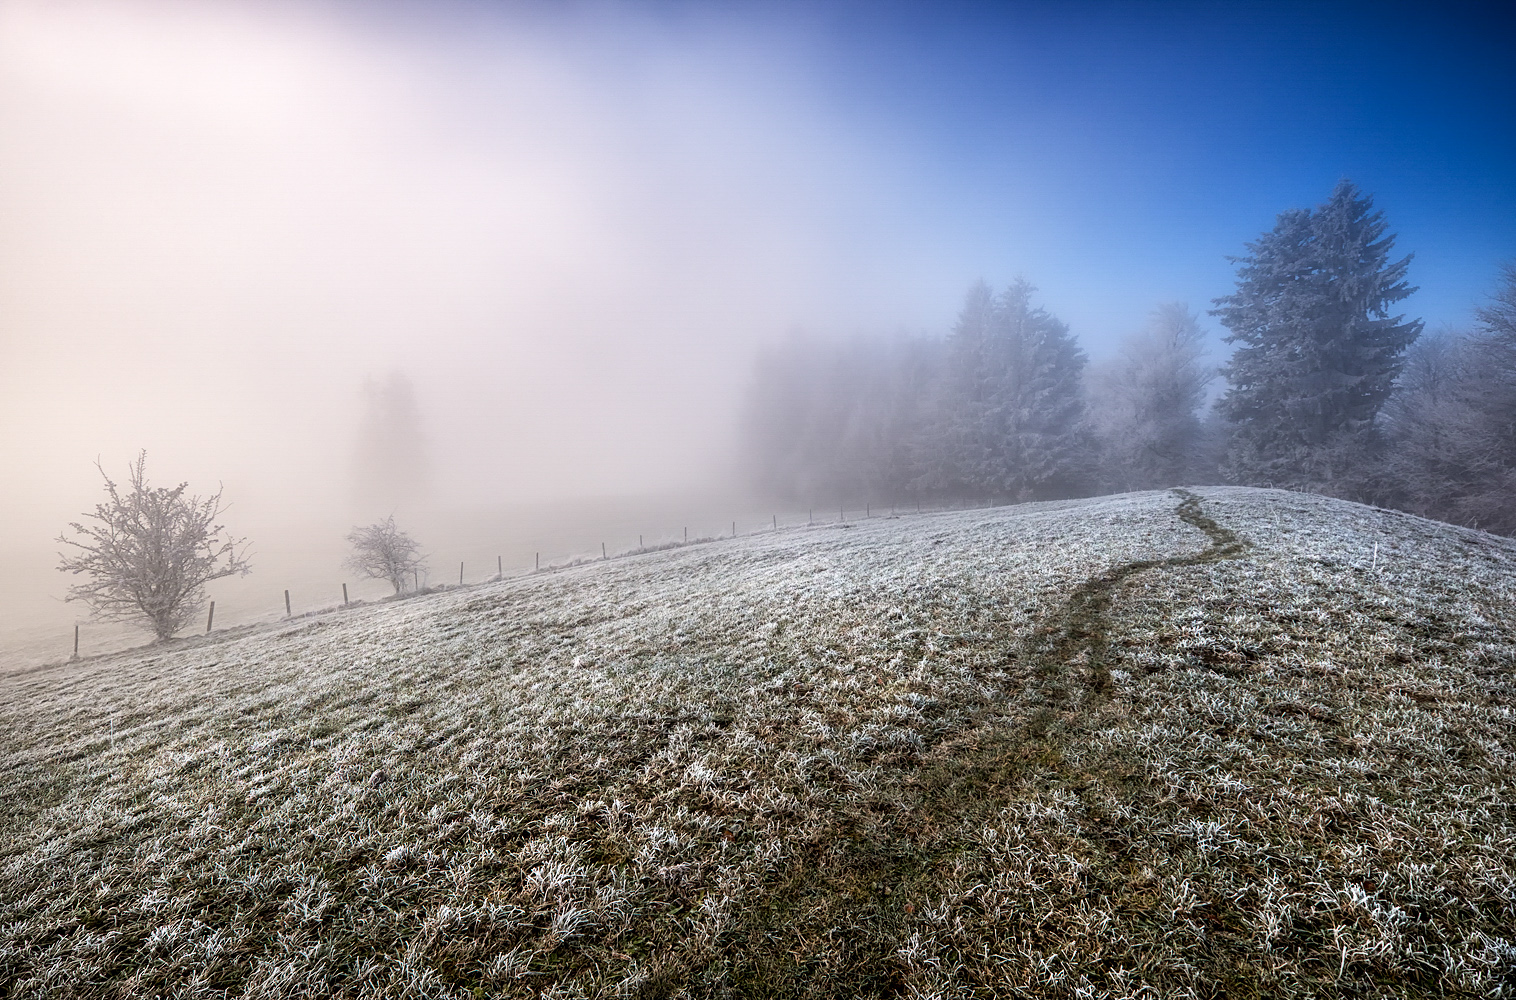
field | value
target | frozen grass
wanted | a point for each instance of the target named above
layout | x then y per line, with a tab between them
1159	744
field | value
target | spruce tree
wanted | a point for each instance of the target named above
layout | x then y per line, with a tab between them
1144	405
1319	351
1012	413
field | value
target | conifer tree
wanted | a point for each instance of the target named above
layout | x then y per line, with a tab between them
1011	424
1144	405
1318	348
1453	421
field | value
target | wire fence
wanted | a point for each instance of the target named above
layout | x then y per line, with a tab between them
421	583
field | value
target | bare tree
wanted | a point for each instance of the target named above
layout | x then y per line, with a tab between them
151	554
382	551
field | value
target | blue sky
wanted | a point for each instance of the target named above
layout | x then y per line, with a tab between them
1115	150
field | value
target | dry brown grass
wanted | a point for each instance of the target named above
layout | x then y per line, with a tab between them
1137	746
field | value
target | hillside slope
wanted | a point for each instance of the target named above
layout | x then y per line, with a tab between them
1199	743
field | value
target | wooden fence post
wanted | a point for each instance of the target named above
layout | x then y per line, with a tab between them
344	595
287	611
538	565
210	618
500	565
460	572
734	529
602	550
76	642
776	522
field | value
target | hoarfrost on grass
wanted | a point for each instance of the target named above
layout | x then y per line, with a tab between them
709	766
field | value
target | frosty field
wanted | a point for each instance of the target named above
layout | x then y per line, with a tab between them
1208	743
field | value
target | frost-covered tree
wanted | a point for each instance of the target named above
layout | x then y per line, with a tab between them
1009	422
1452	421
992	411
1144	406
1318	349
150	552
381	551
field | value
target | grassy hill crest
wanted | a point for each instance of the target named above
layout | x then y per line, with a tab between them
1204	742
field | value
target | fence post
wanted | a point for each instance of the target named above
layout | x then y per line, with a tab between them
210	618
287	611
776	522
460	572
76	642
344	595
639	541
602	550
500	565
538	565
686	533
416	580
734	529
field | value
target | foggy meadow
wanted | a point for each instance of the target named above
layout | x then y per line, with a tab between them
679	500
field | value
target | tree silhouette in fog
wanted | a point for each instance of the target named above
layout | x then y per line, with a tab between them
392	463
994	411
1008	422
1452	421
1145	403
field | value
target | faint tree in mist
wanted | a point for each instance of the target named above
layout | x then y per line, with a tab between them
836	421
1452	421
381	551
1318	349
1010	408
1144	406
150	553
391	464
993	411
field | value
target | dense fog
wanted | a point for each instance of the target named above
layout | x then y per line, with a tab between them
545	277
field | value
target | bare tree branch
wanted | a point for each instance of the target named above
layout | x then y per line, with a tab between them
382	551
150	553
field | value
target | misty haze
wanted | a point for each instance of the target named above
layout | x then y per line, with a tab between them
737	500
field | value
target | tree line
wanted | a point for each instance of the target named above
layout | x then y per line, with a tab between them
1327	390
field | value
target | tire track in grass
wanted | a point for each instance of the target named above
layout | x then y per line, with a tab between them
1080	628
973	774
894	847
972	769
